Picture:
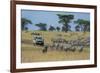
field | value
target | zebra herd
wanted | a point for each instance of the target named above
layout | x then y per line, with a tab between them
67	45
61	44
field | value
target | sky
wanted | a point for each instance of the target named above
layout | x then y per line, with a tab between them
50	18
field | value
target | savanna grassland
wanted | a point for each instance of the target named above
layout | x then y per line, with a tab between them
31	53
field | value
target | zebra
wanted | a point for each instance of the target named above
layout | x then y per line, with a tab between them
45	49
81	48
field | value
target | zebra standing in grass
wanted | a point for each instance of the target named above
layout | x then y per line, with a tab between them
81	48
45	49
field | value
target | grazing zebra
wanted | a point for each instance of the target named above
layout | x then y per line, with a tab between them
61	46
66	47
81	48
73	49
45	49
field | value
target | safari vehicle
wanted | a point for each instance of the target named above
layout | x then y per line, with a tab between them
38	40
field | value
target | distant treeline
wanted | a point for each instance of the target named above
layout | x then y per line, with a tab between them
64	20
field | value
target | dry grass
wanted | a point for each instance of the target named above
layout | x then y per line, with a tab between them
32	53
37	56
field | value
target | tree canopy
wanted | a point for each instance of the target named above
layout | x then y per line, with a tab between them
42	26
84	25
58	28
51	28
24	22
65	20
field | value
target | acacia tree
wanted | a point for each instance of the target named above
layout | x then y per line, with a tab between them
24	22
42	26
26	28
87	25
83	24
65	20
77	28
51	28
58	28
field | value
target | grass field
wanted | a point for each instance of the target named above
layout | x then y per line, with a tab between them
31	53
